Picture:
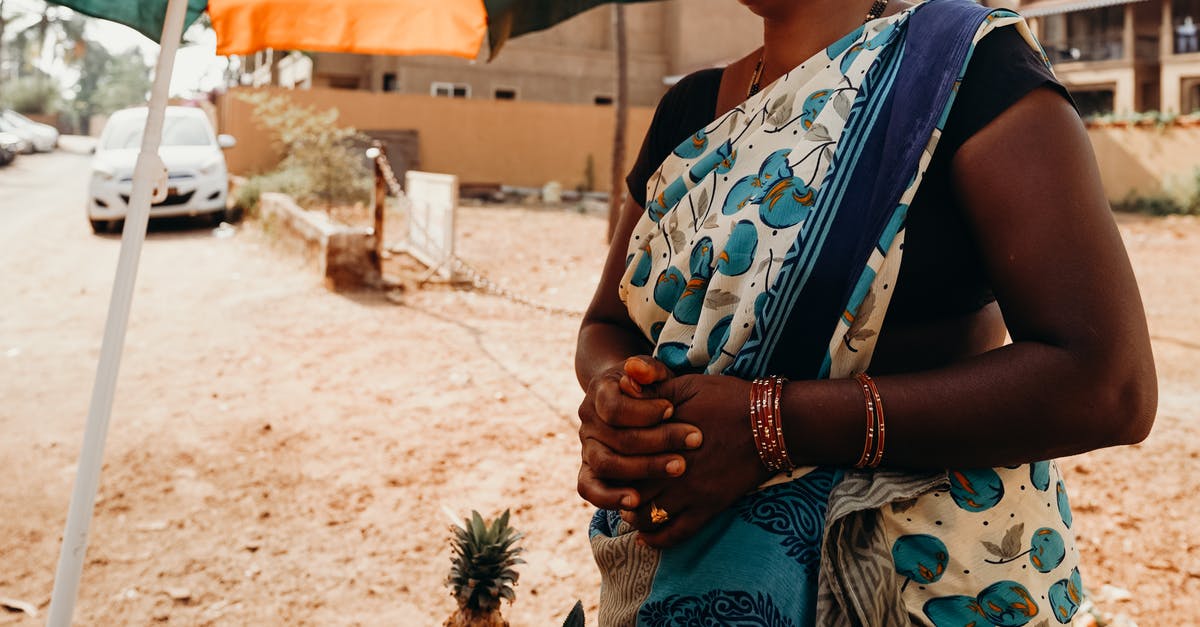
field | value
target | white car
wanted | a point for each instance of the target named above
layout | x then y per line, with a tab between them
43	136
10	147
26	136
197	179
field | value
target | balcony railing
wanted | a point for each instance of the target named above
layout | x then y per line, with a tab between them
1086	49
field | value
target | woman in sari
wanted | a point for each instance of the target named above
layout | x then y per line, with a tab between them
765	447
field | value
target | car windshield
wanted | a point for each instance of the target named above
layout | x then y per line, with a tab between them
126	132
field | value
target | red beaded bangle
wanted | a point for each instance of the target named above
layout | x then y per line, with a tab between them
766	423
872	455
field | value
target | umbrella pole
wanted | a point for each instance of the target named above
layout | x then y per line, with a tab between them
148	173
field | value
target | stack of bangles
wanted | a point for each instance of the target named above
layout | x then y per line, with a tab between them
872	454
767	424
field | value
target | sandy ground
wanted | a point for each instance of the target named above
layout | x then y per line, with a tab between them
283	455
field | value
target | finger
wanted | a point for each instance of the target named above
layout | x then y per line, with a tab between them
665	438
647	370
676	390
629	387
605	496
676	531
611	466
643	518
619	410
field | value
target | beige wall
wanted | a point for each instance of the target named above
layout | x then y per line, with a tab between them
707	33
1146	160
514	143
1175	69
530	143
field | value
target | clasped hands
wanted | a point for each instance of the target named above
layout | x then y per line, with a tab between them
680	443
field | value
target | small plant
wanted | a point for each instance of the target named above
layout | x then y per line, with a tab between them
482	571
576	617
589	174
1159	204
323	162
1174	199
290	181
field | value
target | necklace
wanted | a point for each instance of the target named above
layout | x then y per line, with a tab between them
875	13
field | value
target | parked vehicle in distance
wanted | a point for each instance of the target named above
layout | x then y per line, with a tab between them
43	136
24	134
197	177
10	147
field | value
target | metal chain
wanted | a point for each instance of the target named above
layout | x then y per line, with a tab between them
476	277
389	175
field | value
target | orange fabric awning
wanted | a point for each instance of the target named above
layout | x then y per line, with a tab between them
400	27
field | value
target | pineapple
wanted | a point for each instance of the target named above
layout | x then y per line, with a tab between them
482	571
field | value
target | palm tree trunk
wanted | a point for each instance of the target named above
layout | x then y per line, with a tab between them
617	194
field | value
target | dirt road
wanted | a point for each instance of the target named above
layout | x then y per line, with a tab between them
282	455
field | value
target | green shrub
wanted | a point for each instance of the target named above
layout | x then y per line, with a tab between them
290	181
1175	200
1159	204
323	162
38	94
1193	202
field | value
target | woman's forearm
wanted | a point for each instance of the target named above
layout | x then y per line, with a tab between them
605	345
1025	402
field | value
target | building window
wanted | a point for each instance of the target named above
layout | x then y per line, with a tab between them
389	81
505	93
1092	35
1185	17
1093	101
1191	96
450	90
603	101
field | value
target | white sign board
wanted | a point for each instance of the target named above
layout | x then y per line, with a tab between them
432	200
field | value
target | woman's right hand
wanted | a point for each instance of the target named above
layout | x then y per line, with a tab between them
625	435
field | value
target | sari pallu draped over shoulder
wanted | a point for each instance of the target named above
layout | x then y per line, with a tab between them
785	218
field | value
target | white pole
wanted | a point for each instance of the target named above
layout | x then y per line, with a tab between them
148	173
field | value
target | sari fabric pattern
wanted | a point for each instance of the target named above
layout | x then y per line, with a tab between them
790	209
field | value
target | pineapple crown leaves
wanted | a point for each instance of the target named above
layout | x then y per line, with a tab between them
483	565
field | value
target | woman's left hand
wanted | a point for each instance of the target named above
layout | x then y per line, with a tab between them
724	468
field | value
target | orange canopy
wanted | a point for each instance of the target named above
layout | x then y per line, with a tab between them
434	27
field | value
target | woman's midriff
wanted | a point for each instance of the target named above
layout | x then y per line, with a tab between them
912	346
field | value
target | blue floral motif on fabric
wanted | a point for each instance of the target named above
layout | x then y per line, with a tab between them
795	511
735	608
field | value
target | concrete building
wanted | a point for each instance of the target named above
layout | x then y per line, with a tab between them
1122	56
1116	56
570	63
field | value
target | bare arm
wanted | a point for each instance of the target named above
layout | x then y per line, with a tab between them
607	336
1079	374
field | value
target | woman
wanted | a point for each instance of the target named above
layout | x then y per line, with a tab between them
764	445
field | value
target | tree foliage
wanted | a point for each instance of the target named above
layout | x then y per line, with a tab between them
35	93
109	82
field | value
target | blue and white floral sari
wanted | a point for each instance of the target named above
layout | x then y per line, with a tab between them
790	209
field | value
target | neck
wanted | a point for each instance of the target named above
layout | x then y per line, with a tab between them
804	29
